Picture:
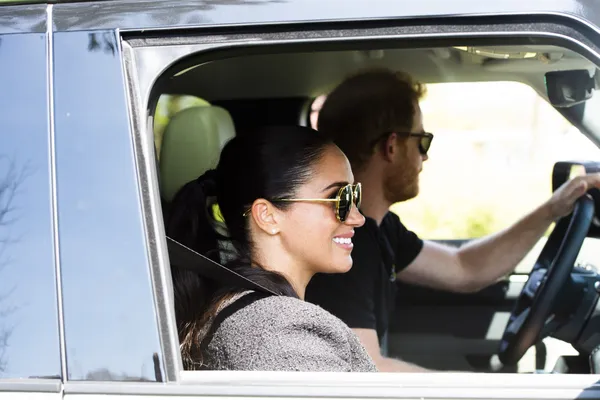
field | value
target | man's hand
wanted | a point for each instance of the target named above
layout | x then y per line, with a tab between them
563	200
483	261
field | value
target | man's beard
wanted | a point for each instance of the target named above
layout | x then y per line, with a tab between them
401	184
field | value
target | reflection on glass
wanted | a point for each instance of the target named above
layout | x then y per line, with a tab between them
102	41
110	321
31	18
29	344
183	12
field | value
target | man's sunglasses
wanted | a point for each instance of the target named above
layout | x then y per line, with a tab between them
343	201
424	142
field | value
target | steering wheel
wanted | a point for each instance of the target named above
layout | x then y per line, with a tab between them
531	315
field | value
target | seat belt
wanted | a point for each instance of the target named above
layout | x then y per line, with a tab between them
184	257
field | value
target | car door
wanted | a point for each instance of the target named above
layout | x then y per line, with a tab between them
181	29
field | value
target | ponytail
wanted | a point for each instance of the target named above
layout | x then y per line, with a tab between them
190	221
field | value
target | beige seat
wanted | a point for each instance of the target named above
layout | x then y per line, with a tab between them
191	145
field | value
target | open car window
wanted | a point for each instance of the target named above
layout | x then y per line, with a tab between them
250	83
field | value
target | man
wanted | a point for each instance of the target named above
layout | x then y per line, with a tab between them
375	118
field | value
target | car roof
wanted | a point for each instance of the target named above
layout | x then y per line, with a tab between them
303	75
134	15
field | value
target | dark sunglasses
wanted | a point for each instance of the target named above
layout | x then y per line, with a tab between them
343	201
424	142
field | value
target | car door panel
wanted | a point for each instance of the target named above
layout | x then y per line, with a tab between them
444	330
451	331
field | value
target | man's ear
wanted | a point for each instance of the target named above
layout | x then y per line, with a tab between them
390	147
266	216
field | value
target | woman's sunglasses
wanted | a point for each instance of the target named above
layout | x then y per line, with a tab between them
424	143
343	201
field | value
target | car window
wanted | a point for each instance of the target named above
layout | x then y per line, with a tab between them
29	336
251	85
109	309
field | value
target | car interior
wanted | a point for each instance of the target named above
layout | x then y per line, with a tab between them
543	320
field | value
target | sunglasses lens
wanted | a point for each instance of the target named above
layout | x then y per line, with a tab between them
345	203
357	195
425	144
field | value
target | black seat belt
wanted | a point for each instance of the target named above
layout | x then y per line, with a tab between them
184	257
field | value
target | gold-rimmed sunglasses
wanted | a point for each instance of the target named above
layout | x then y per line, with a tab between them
343	201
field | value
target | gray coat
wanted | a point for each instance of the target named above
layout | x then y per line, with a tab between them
278	333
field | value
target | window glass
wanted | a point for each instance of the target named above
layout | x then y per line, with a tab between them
29	342
109	307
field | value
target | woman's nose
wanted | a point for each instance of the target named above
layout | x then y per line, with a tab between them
355	218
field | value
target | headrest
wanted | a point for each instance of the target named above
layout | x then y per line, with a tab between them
191	145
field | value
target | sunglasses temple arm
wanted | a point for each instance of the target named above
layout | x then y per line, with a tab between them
319	200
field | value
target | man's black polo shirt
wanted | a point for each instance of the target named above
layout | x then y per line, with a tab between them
364	297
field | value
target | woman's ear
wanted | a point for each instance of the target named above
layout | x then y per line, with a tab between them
266	216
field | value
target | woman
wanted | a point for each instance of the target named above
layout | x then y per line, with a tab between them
289	207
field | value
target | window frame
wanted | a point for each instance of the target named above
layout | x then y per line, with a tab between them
144	85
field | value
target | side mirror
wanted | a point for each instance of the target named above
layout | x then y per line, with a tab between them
567	88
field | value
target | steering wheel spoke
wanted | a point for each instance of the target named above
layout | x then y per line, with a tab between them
535	281
550	326
515	324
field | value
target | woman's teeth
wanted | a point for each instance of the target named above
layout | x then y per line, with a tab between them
342	240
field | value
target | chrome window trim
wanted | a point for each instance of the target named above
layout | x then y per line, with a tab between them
54	193
145	157
30	385
278	385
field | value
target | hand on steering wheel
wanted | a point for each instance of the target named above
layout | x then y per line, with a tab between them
563	199
532	315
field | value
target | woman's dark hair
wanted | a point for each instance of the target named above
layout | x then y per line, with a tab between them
269	163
